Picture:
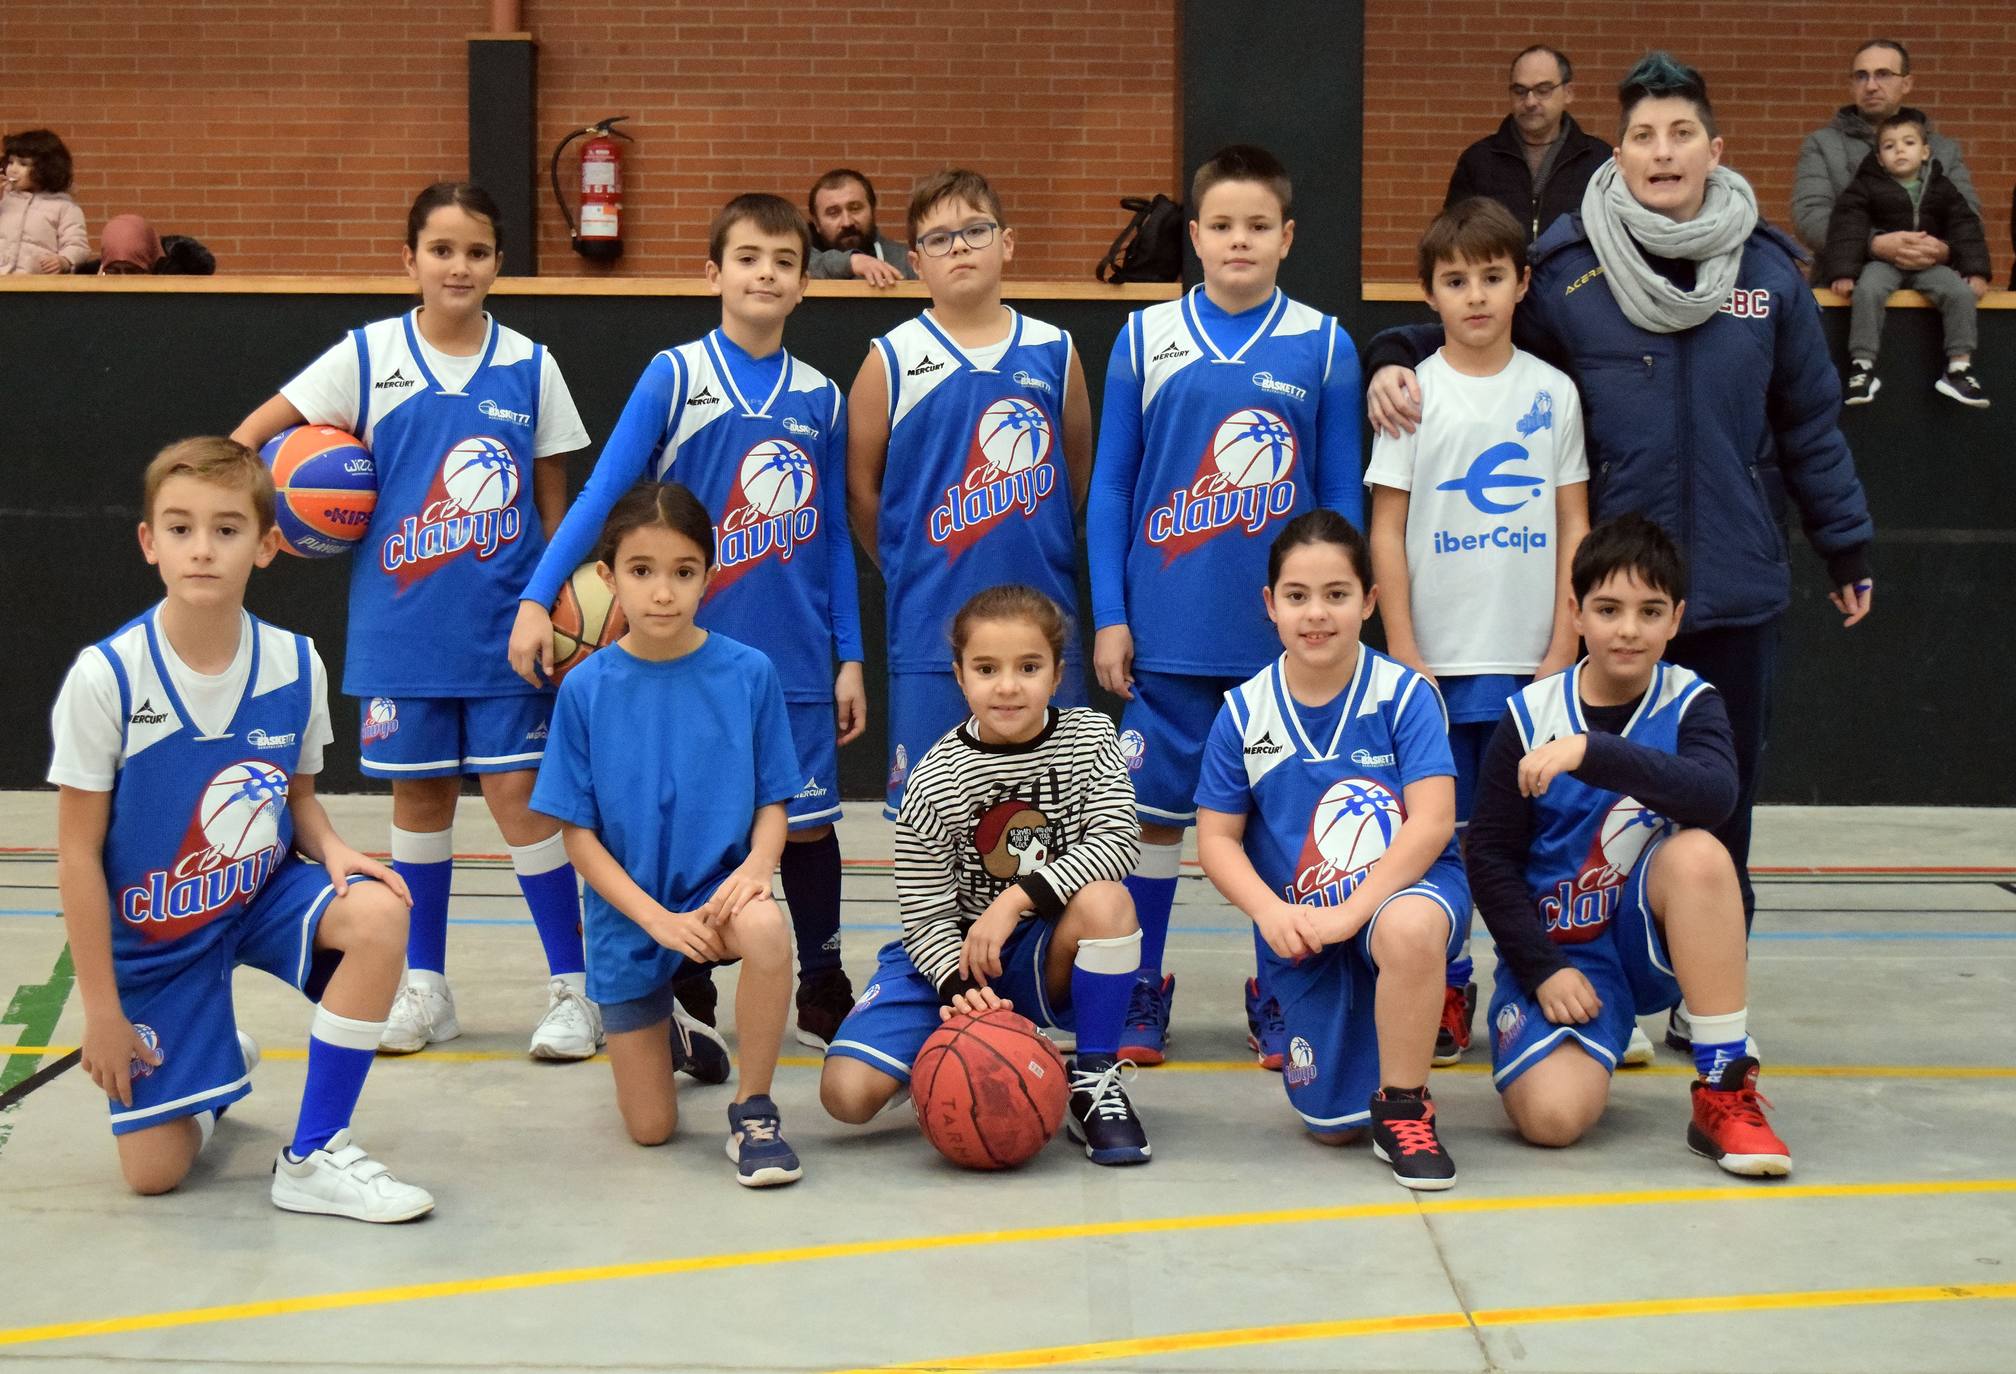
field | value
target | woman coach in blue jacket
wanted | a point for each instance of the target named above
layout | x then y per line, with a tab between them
1706	385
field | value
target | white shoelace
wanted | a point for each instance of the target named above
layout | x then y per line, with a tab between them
411	1006
1108	1101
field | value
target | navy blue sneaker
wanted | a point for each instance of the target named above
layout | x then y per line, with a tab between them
756	1144
1100	1117
1266	1032
1147	1028
698	1049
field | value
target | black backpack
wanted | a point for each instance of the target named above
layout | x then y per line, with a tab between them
1150	248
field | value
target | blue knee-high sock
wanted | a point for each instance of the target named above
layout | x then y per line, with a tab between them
1102	979
426	860
1152	885
340	1051
547	880
811	873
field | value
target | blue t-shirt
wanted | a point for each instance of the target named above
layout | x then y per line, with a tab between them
762	442
667	763
1323	788
1216	431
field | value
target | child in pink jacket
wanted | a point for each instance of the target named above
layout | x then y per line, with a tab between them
41	228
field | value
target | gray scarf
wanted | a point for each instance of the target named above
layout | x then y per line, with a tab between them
1619	228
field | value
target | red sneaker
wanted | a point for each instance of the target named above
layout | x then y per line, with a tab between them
1729	1125
1452	1037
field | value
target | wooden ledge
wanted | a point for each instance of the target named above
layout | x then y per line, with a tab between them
557	286
1410	293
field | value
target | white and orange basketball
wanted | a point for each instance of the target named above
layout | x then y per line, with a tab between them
240	810
325	486
585	618
1014	435
480	475
776	477
1354	823
1253	447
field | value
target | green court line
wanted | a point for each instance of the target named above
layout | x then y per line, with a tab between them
35	1008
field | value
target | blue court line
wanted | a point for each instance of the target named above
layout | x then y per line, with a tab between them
890	928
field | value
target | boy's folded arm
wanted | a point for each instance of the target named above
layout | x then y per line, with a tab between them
1495	847
1695	785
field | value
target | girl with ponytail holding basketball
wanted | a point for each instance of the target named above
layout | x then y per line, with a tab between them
669	772
469	424
1327	813
1016	830
760	437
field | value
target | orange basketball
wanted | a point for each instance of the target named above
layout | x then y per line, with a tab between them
989	1090
585	618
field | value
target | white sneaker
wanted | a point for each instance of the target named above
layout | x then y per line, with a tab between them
340	1180
249	1048
572	1026
1638	1053
422	1014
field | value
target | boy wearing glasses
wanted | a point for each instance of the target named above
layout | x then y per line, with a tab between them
969	445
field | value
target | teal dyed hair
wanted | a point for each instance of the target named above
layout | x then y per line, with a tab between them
1657	75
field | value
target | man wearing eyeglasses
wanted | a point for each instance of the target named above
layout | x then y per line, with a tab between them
1878	81
1539	162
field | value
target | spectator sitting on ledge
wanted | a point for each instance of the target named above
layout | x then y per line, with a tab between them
845	242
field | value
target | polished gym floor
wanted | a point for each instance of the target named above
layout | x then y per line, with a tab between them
1884	977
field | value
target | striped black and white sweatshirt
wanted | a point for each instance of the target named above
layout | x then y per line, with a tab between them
1050	814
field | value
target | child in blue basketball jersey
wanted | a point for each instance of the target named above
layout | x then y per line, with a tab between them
1476	514
469	424
1227	414
969	441
761	438
190	842
670	770
1594	865
1016	830
1327	813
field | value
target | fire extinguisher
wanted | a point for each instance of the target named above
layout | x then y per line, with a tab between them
599	233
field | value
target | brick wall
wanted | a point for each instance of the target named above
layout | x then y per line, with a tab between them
1776	71
293	144
291	138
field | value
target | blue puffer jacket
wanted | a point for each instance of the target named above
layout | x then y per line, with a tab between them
1706	430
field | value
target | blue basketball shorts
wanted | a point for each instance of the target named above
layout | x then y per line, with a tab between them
187	1011
896	1013
448	737
1628	966
816	737
1332	1065
1162	734
925	707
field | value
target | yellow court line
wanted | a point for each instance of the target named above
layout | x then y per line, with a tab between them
1190	1341
803	1061
905	1245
